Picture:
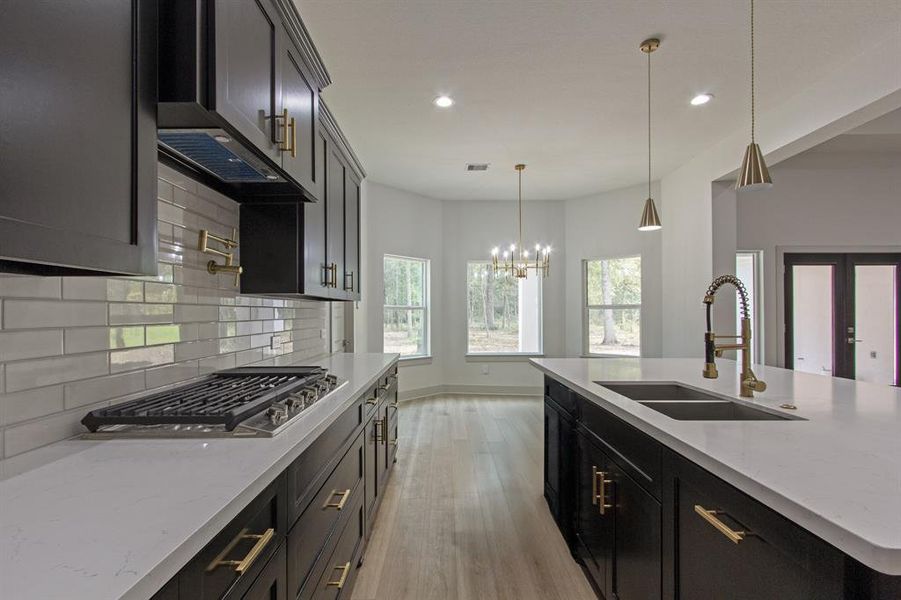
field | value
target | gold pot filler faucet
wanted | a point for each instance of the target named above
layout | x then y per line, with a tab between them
749	381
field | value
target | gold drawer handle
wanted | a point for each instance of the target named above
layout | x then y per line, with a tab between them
243	565
339	505
371	401
339	583
711	517
599	483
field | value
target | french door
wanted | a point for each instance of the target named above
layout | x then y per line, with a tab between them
843	315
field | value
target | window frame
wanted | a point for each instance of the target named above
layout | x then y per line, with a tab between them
757	313
424	308
475	356
586	308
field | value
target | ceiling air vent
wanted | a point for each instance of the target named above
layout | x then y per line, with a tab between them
477	167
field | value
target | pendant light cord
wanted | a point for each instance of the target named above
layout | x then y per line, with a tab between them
649	124
752	74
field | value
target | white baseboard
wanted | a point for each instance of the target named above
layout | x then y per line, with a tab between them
470	390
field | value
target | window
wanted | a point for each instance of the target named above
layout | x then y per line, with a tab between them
406	326
612	314
504	313
747	269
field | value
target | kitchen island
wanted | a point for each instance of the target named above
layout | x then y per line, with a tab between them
831	466
119	518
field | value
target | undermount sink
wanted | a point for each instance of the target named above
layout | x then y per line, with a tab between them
684	403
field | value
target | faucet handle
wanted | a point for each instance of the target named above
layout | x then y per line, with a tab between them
756	384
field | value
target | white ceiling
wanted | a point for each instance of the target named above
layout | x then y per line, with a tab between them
560	85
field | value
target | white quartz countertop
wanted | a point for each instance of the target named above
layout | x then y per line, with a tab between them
836	474
118	518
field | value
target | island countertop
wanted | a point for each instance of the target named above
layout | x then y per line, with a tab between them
837	473
118	518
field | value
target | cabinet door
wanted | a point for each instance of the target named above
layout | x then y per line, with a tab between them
552	458
314	229
595	532
372	470
271	583
636	553
300	99
334	185
351	235
248	86
383	452
78	144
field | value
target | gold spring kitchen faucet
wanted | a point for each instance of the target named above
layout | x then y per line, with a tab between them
749	381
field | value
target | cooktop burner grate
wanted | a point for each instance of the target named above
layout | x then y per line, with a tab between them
224	398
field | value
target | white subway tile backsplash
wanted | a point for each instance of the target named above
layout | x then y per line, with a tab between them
171	373
71	344
131	314
22	286
18	345
99	288
34	314
91	391
141	358
30	404
91	339
26	374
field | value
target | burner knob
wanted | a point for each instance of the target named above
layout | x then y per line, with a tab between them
277	414
322	386
310	395
295	402
332	381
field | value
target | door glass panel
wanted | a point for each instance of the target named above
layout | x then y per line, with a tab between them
813	318
875	312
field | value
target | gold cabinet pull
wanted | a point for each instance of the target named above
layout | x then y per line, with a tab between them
351	287
599	483
378	429
284	145
339	583
335	275
242	566
339	505
371	401
292	126
711	517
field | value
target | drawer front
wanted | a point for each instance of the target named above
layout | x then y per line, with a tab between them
308	473
635	452
271	584
370	401
231	562
392	436
560	394
776	560
325	514
335	572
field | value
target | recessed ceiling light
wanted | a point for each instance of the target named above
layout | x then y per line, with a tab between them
444	101
701	99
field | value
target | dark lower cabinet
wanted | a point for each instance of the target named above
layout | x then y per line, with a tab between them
649	523
303	537
78	159
272	582
559	471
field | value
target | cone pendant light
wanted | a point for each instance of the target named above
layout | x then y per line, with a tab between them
650	220
754	174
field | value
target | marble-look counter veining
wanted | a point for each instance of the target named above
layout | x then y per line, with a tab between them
118	518
836	474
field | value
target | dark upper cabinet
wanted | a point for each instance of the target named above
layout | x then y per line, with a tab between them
239	90
315	282
300	102
351	280
78	182
334	239
248	43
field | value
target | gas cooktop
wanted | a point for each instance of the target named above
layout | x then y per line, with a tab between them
244	402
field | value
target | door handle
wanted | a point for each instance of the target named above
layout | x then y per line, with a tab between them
711	517
339	505
339	583
241	566
351	275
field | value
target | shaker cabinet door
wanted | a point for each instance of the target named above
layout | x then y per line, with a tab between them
351	283
334	184
595	531
300	103
248	87
78	168
637	557
314	230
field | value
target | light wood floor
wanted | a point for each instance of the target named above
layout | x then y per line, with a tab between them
464	515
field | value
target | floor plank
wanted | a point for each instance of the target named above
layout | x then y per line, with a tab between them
464	517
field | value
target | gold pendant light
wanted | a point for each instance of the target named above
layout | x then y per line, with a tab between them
516	260
754	174
650	220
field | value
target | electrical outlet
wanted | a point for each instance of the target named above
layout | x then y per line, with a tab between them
485	370
276	341
322	334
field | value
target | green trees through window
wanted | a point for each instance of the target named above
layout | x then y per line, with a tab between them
504	313
406	324
613	306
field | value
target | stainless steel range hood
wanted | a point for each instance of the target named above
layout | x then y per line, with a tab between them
217	153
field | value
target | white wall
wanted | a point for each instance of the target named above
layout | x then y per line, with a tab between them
405	224
819	201
866	86
605	226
